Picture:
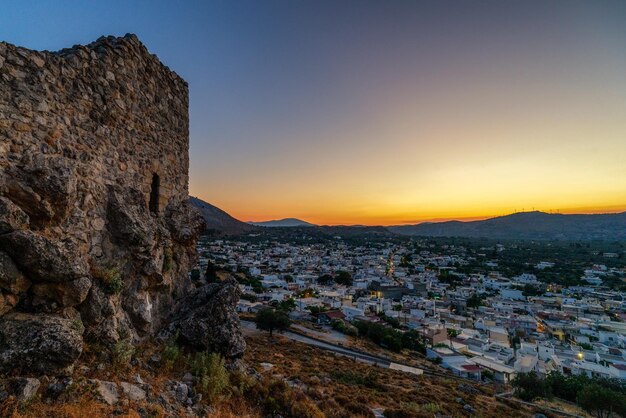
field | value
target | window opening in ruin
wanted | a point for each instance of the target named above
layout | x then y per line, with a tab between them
154	194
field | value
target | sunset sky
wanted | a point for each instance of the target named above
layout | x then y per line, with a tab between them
381	112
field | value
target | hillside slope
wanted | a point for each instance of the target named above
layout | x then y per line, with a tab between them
219	221
527	225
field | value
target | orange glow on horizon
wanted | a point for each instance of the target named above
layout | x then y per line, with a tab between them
399	219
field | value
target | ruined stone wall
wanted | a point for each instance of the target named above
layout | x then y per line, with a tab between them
84	133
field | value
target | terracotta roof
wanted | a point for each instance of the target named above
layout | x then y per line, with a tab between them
334	314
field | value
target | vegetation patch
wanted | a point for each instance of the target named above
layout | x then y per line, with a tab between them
111	279
599	396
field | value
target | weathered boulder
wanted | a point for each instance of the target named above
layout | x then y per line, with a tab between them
128	219
38	210
180	392
64	294
42	259
139	307
206	319
54	180
38	343
11	216
185	222
97	306
7	302
133	392
23	388
107	391
11	279
44	187
98	312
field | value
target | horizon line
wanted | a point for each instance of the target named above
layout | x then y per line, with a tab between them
569	211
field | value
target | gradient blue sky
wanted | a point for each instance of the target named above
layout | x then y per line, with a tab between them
380	112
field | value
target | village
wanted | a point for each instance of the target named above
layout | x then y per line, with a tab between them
479	325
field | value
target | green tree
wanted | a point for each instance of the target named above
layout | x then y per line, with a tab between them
529	386
453	332
392	342
601	401
405	261
317	309
394	322
211	273
474	301
343	278
412	340
287	305
325	279
270	319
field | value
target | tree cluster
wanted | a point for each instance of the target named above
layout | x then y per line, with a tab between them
474	301
390	338
341	277
601	397
272	319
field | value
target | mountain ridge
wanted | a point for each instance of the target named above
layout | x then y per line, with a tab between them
283	223
526	225
218	220
532	225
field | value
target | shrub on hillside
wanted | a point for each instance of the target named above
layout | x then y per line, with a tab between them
529	386
211	373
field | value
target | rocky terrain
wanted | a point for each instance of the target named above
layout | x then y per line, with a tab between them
281	378
97	236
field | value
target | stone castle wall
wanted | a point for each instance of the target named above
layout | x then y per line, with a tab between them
109	112
94	221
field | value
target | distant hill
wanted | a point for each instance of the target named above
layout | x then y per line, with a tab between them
219	221
287	222
527	225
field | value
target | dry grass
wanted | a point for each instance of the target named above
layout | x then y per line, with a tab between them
564	406
79	409
342	387
319	384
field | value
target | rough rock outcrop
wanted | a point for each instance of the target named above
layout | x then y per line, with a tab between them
11	216
11	279
43	259
94	218
207	320
38	343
